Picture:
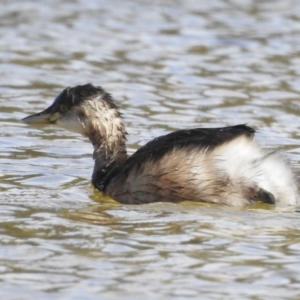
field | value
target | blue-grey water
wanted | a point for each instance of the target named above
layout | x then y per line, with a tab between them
170	64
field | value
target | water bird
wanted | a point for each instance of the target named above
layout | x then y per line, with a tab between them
216	165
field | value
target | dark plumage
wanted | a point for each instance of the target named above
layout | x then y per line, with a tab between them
219	165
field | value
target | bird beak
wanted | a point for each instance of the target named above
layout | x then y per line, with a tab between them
45	117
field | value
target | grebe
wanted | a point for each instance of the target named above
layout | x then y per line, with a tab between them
218	165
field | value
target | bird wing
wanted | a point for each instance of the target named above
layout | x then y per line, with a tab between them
201	138
198	138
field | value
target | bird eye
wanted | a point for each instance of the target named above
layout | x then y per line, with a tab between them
63	108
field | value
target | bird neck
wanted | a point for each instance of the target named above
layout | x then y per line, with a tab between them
109	142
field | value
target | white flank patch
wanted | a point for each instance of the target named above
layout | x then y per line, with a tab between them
246	163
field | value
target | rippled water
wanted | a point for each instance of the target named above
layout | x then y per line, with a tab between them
170	65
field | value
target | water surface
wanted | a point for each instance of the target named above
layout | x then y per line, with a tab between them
169	65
